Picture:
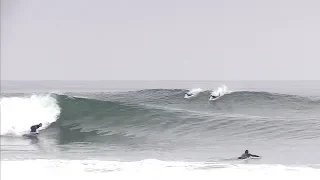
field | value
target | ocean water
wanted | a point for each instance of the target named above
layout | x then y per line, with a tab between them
150	130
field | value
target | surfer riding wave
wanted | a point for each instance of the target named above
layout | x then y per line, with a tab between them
214	96
34	128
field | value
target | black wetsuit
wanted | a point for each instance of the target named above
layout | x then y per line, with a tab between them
245	156
34	128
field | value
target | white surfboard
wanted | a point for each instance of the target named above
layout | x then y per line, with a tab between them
31	134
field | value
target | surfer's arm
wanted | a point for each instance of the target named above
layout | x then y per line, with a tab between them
252	155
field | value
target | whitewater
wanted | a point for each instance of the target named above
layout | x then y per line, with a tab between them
17	113
159	133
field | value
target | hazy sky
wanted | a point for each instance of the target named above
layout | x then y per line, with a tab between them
160	40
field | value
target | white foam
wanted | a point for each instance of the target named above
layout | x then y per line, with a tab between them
19	113
222	90
149	169
194	92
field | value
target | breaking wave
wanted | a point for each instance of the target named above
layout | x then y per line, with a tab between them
152	113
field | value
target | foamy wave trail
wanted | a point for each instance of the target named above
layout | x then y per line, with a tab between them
193	93
152	169
19	113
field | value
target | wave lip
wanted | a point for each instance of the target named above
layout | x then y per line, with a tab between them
19	113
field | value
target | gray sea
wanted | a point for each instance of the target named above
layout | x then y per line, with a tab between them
152	130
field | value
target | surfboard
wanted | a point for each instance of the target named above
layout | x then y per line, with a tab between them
31	135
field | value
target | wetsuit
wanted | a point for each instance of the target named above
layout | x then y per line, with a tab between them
247	155
212	96
34	128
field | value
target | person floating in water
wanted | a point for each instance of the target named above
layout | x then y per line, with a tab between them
33	129
247	155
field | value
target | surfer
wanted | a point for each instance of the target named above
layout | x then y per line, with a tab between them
247	155
213	96
34	128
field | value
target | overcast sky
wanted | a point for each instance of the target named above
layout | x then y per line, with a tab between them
160	40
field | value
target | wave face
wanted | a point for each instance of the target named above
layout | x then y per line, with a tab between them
162	120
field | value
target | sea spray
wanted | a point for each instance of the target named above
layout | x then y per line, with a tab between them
222	90
19	113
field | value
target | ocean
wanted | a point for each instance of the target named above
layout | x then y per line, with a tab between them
151	130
